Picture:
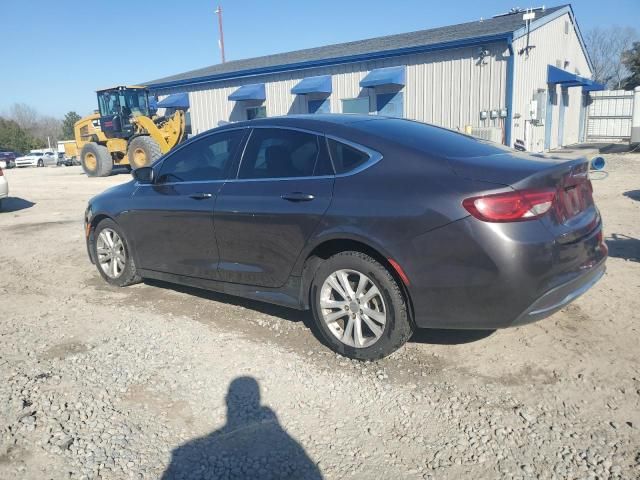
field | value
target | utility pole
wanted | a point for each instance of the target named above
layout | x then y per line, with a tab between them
221	39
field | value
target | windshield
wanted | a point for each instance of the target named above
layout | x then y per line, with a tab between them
134	102
35	153
123	102
109	103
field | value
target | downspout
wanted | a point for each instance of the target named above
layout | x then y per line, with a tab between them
509	91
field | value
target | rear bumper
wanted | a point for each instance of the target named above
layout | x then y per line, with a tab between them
560	296
476	275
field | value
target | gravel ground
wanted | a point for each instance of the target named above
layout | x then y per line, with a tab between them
158	381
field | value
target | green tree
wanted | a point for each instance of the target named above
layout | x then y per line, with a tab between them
12	137
631	60
67	124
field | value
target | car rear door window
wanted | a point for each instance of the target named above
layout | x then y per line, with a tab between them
345	157
204	160
282	153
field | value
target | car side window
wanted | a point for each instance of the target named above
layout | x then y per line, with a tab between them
206	159
280	153
345	157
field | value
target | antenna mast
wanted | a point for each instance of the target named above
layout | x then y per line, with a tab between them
221	39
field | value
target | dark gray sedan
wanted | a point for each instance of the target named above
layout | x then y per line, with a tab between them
377	225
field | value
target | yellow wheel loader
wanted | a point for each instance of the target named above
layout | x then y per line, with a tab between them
125	132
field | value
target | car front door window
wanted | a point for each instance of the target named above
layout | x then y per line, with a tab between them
204	160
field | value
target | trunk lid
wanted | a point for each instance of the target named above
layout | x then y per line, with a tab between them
573	214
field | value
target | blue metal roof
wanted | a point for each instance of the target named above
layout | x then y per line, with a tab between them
320	84
255	91
384	76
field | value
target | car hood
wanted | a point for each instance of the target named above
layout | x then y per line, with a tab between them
28	157
117	191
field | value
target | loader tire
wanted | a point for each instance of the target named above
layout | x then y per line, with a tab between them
142	152
96	160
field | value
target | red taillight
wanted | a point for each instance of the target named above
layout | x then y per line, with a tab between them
516	206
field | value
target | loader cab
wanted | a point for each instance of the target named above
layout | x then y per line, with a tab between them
118	105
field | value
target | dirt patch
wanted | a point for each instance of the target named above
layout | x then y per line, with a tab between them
63	350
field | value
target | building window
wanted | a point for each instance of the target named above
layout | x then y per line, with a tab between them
319	106
256	112
356	105
390	104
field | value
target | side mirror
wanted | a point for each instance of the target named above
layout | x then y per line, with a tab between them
143	175
597	163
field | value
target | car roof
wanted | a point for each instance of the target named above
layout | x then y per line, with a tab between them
319	122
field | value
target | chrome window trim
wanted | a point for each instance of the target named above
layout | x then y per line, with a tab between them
374	156
190	182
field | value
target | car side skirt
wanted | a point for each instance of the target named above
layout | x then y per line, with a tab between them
286	296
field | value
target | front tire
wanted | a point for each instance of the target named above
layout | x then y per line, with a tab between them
112	254
96	160
142	152
358	307
40	163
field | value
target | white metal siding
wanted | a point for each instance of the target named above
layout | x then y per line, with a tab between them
447	88
551	44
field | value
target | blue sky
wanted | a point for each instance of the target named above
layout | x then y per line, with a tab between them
54	55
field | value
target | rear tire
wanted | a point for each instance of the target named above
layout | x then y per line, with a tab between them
383	330
142	152
126	273
96	160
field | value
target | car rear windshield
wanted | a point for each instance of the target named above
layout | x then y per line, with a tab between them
434	140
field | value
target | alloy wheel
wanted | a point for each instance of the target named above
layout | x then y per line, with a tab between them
112	256
353	308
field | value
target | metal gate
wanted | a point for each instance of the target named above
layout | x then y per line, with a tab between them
609	115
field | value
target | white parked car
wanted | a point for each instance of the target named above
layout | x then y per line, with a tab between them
4	188
36	158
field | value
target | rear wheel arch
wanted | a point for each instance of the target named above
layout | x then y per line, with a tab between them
328	248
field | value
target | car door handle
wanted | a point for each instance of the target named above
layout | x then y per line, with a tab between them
298	197
201	195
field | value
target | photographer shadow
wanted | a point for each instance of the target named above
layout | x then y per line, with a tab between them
251	445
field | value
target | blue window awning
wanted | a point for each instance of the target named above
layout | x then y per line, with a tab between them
177	100
321	84
557	76
255	91
384	76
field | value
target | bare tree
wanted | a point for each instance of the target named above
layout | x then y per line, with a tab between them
605	47
41	128
24	115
